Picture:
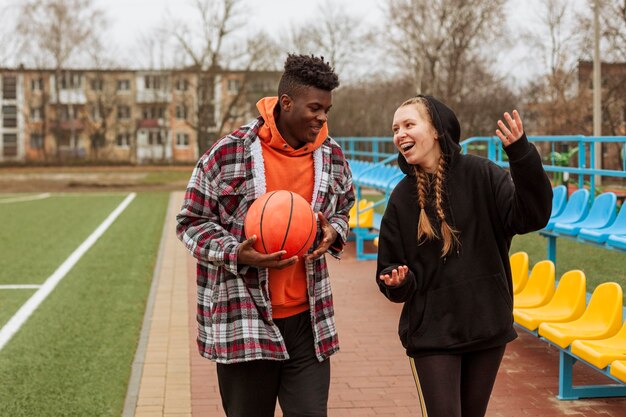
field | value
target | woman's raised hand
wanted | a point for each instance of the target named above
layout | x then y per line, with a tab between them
512	132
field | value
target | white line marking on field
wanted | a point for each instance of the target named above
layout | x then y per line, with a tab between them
19	287
25	198
20	317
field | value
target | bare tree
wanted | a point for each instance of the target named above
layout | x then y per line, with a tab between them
8	42
613	23
202	41
444	48
210	49
260	53
555	103
440	41
56	34
334	33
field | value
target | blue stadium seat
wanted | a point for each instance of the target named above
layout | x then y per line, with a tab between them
601	214
559	199
617	241
601	235
575	210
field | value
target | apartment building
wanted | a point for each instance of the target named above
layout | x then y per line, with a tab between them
123	116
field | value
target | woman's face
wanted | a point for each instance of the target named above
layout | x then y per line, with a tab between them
416	138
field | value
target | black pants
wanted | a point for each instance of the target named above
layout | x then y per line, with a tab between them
456	385
301	384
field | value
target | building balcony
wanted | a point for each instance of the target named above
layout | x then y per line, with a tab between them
71	125
153	96
150	123
73	96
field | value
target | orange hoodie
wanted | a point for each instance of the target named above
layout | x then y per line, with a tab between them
289	169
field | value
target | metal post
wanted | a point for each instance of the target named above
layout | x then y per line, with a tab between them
551	249
597	90
566	388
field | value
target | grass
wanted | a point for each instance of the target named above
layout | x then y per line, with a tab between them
38	236
167	177
11	301
73	357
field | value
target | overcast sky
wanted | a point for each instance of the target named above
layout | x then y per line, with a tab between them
129	20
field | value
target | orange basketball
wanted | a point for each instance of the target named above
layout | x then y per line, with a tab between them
281	220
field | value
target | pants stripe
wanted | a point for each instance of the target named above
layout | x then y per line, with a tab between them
419	388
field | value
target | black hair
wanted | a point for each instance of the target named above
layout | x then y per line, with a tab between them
306	71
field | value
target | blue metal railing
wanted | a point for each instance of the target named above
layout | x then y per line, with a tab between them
380	154
377	149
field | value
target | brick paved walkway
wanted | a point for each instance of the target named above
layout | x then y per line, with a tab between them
370	375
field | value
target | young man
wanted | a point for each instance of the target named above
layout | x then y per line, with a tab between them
268	322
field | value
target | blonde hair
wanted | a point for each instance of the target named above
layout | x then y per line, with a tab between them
425	230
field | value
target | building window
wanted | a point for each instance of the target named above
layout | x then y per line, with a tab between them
153	112
97	84
95	113
152	82
36	84
123	85
123	140
9	144
36	113
155	137
182	140
66	113
123	112
36	141
181	111
233	86
9	87
262	86
64	141
9	116
182	84
71	81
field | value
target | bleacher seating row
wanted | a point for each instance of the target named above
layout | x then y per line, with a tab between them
596	224
593	333
364	221
364	225
378	175
575	218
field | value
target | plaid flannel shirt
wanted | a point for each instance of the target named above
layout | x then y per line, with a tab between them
234	309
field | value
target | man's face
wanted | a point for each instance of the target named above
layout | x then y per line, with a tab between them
303	114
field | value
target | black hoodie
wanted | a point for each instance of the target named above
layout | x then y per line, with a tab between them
462	302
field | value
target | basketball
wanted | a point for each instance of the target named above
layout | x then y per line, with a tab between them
281	220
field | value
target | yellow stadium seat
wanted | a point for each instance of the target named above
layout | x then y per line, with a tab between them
601	319
539	288
600	353
519	270
376	241
618	370
366	218
567	304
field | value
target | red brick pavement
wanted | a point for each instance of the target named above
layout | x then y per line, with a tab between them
371	374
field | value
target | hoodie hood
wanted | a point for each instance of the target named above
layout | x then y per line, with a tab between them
448	131
270	135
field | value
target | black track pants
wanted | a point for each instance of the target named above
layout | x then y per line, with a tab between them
456	385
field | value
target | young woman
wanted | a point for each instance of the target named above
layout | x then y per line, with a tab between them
444	252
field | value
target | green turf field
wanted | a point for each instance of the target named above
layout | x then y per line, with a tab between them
73	356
